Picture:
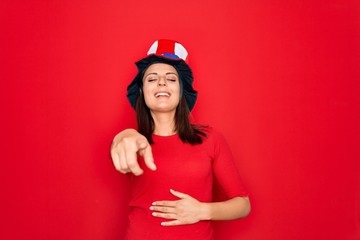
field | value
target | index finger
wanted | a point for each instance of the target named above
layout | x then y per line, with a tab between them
133	164
146	153
148	158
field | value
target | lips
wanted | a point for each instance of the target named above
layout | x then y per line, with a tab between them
162	94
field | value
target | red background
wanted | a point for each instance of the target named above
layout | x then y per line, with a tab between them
279	78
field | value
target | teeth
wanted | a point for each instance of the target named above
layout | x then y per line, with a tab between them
162	94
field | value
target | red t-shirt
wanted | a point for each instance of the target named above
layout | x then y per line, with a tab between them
185	168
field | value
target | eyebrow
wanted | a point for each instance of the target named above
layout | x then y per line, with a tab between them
154	73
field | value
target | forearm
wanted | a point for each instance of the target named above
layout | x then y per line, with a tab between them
234	208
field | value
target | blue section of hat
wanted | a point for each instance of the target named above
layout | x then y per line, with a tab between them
170	55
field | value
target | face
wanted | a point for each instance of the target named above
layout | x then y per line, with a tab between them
161	88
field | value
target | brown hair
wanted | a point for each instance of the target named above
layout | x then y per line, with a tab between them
188	132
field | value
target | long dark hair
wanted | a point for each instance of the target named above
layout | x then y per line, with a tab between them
188	132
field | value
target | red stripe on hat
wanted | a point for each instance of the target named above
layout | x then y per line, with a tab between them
165	46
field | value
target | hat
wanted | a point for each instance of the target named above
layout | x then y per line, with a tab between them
172	53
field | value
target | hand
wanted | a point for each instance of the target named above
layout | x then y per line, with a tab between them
187	210
126	145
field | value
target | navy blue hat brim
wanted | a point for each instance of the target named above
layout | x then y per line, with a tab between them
185	75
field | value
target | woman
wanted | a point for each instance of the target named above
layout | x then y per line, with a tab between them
173	199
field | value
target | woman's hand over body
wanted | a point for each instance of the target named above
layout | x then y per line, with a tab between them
186	210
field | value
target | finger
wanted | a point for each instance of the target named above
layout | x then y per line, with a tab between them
142	143
162	209
165	203
115	158
145	151
135	168
132	162
172	223
164	215
179	194
124	168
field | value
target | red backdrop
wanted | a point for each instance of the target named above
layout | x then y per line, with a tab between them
279	78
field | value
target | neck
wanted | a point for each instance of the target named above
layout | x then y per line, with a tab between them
164	123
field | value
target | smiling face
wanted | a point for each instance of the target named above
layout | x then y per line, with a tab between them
161	88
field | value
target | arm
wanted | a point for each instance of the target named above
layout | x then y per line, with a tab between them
124	149
188	210
233	208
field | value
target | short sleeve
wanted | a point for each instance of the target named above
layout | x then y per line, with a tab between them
224	168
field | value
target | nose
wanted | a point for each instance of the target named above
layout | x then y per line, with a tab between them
161	82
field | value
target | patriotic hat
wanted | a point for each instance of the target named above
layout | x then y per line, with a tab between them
172	53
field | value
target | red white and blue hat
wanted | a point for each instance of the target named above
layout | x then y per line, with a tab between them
172	53
168	48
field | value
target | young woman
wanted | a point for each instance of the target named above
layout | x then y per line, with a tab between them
172	163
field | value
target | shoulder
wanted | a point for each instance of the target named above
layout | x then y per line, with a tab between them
214	136
216	144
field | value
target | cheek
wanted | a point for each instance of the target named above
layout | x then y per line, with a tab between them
147	89
147	97
146	92
177	93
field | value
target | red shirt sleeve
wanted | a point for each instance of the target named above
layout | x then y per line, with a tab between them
224	167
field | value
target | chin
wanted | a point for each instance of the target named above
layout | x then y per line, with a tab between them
163	109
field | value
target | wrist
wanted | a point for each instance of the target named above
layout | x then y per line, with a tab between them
205	211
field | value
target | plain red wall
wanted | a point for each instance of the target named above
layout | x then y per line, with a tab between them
279	78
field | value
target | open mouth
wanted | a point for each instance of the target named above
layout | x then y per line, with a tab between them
162	94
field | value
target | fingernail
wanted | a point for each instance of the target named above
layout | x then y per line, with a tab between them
138	173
